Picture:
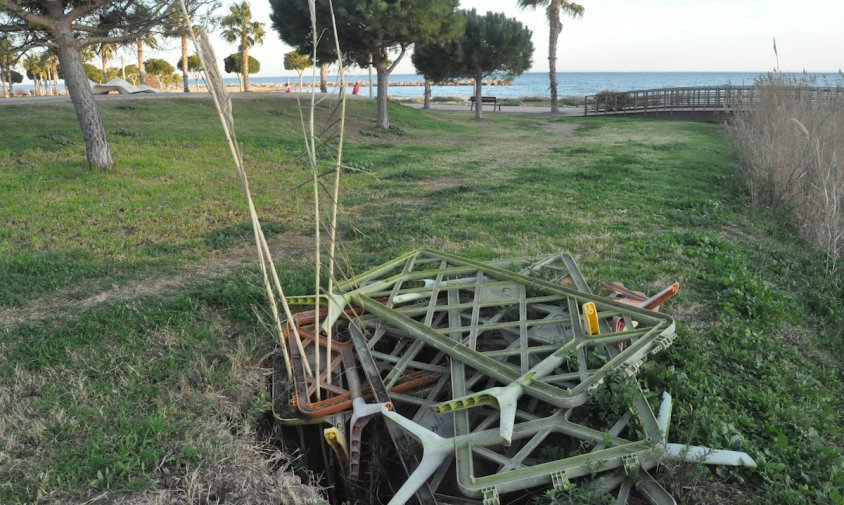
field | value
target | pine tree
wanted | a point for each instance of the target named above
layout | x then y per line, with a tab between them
490	44
380	31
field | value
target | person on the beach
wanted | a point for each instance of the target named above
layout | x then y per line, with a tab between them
356	88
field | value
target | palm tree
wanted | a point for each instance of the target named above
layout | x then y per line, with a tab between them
179	29
106	52
50	65
238	25
150	40
9	57
87	54
553	8
201	15
46	67
185	80
32	65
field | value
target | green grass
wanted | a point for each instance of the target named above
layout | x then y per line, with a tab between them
115	394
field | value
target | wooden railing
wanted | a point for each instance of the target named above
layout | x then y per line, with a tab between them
703	99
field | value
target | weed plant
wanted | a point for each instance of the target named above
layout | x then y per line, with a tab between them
611	100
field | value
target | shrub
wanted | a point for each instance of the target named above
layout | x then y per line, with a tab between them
94	73
613	100
448	99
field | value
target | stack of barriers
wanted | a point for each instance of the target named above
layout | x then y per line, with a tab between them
491	377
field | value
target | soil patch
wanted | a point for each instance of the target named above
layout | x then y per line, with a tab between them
441	183
216	267
562	128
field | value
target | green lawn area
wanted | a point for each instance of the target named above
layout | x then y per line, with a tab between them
131	355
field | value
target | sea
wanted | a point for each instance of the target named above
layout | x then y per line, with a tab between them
568	83
536	84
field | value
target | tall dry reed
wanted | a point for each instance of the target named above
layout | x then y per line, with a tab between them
272	284
790	138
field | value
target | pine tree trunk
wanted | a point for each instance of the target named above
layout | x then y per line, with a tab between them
427	96
479	106
185	79
142	75
383	119
87	113
555	27
323	78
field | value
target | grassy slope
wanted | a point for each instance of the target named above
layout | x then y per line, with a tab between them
117	394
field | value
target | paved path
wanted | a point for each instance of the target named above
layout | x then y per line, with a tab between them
450	107
29	100
509	109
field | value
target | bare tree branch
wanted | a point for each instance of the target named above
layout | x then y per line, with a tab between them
397	60
12	28
87	41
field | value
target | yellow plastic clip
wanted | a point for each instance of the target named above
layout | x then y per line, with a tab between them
590	313
337	441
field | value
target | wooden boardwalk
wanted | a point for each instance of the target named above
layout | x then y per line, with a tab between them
703	101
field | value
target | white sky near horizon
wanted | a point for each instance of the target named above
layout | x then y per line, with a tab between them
653	35
640	36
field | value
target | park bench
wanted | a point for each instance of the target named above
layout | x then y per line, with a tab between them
485	100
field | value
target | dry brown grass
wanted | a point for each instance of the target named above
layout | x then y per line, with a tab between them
790	142
253	477
694	484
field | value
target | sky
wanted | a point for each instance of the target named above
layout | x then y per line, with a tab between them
640	36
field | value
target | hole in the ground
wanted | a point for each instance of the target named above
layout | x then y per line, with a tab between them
381	471
380	474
